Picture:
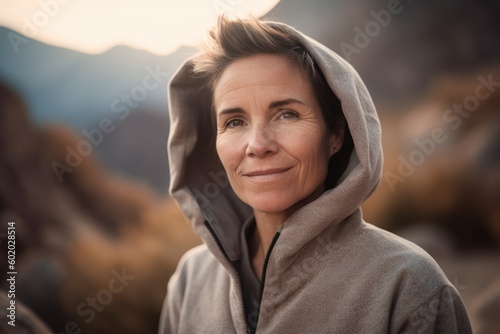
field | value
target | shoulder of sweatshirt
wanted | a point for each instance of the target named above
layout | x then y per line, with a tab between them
402	253
197	266
423	299
399	265
198	259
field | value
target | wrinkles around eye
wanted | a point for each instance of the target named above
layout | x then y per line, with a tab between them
288	114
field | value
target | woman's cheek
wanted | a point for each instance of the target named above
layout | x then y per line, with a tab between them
300	135
229	148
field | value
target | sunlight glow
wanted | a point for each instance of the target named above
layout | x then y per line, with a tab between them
94	26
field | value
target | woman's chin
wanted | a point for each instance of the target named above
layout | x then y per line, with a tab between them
270	206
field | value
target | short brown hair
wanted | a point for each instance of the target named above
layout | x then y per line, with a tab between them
231	40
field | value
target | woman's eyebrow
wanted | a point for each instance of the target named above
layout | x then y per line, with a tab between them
272	105
230	111
280	103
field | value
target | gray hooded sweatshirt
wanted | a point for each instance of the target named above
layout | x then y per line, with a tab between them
327	270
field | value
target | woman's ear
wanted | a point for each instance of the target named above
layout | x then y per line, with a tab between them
336	142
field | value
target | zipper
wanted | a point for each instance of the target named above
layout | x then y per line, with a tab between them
263	279
264	267
217	241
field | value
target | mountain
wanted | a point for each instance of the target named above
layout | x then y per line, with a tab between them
124	85
79	89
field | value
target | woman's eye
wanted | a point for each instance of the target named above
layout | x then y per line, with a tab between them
234	123
289	114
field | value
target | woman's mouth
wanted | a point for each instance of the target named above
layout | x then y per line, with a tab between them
267	174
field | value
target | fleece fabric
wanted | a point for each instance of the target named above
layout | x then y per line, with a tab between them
329	271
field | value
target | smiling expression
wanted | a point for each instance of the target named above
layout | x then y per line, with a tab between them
271	136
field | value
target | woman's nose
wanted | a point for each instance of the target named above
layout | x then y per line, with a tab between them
261	142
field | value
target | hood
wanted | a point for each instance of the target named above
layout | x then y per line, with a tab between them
200	185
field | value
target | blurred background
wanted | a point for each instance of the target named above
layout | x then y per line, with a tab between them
84	124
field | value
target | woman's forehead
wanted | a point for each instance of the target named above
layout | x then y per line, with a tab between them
261	76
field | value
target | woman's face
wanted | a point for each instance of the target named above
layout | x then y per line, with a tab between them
271	136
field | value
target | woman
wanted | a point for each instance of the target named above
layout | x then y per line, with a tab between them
274	189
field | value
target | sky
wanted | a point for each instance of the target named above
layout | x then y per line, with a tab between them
94	26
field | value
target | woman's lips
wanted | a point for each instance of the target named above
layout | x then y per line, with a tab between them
267	174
